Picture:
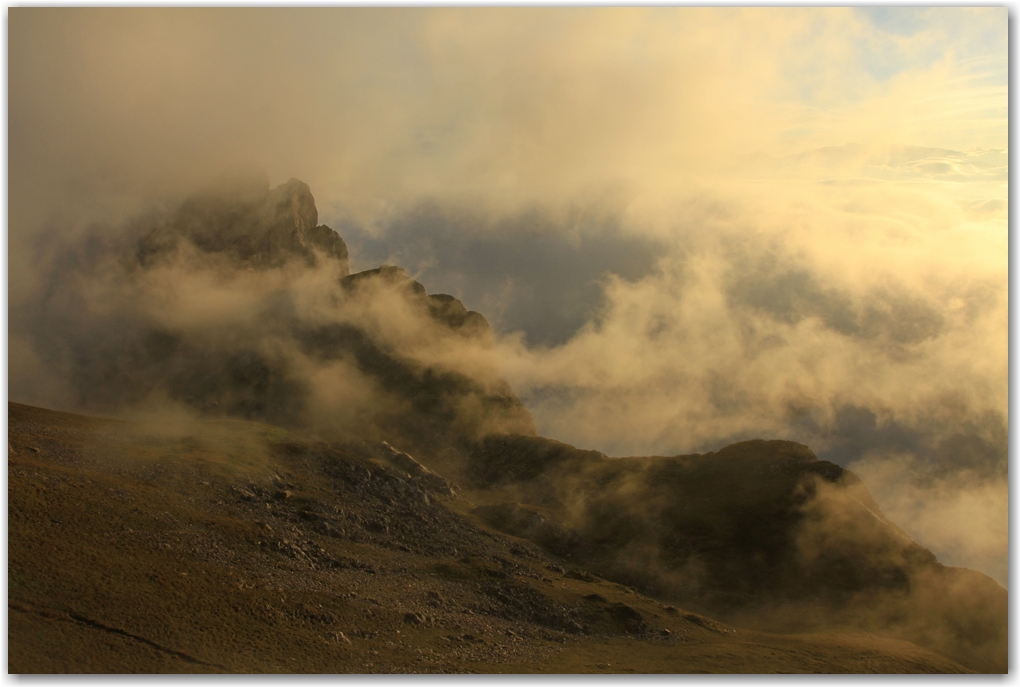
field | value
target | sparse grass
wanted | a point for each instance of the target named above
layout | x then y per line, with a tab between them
134	551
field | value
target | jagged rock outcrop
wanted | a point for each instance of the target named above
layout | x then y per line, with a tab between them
259	227
441	307
450	406
432	481
417	368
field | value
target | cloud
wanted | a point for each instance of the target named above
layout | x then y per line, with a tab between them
372	106
159	312
539	271
875	326
689	225
962	513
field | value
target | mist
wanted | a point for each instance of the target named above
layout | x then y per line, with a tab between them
687	227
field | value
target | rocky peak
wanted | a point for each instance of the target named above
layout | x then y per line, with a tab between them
262	228
388	275
292	206
440	306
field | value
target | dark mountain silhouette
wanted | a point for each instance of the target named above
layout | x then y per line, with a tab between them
760	534
259	227
262	360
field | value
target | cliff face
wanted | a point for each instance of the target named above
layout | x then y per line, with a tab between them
259	227
237	302
444	404
441	307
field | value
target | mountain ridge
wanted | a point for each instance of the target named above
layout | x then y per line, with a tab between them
370	367
198	545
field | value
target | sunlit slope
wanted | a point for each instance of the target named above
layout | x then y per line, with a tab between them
175	545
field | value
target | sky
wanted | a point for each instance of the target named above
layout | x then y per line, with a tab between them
687	226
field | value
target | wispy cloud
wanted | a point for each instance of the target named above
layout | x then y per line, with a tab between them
688	224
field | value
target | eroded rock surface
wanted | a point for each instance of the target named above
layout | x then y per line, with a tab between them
260	228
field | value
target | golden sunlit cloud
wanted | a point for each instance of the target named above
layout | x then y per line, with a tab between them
793	220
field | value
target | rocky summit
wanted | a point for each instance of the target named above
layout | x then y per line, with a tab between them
337	479
259	227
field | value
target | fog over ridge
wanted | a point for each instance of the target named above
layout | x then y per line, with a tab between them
744	334
686	226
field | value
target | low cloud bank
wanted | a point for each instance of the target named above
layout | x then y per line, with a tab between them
858	307
238	303
688	225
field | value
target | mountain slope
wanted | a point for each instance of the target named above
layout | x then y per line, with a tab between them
236	309
760	533
184	545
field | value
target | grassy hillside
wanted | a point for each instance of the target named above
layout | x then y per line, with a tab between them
162	545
